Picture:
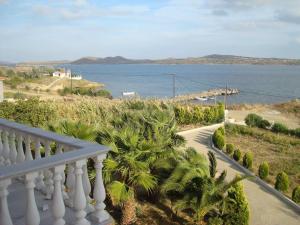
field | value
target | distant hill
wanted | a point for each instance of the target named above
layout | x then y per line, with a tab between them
209	59
44	63
109	60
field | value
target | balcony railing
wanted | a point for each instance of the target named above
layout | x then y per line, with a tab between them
52	172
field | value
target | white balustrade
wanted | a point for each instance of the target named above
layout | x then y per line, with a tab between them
100	214
5	218
48	188
28	154
58	206
32	216
47	174
20	155
6	148
79	195
13	150
70	184
87	190
37	154
1	150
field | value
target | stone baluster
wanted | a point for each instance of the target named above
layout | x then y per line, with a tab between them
1	150
70	184
32	216
58	206
48	190
13	150
100	214
5	218
87	190
79	196
37	154
28	155
6	151
20	155
59	150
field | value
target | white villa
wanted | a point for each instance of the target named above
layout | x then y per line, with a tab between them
66	74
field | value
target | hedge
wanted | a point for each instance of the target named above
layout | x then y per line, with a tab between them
296	194
263	170
282	182
237	155
229	149
219	139
248	160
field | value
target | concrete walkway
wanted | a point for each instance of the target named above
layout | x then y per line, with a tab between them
265	208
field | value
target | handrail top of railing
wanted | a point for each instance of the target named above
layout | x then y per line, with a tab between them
48	135
16	170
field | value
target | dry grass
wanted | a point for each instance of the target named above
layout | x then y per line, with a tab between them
282	155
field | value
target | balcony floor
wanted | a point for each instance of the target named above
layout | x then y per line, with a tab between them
17	206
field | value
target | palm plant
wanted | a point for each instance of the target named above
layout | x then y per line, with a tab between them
74	129
137	141
194	188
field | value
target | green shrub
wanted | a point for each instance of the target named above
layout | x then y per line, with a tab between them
282	182
32	111
263	170
195	114
215	220
221	130
296	194
237	155
253	120
248	160
280	128
295	132
264	124
236	208
218	139
229	149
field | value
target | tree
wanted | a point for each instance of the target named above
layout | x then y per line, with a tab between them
236	206
248	160
212	164
263	170
296	194
282	182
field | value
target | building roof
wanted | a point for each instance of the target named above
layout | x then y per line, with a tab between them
2	78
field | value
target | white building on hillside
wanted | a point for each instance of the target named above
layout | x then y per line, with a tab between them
66	74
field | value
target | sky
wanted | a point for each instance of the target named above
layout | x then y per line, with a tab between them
71	29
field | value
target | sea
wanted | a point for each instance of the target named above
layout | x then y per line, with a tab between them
257	83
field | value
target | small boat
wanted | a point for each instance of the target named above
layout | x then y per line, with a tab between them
128	93
201	99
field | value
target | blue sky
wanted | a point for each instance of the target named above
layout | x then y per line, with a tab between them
70	29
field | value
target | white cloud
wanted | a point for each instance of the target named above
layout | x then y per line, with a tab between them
80	2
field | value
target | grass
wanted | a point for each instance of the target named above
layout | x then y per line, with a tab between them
282	152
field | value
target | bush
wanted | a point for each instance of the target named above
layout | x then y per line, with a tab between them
296	194
282	182
218	139
215	221
280	128
195	114
295	132
32	111
264	124
236	207
229	149
253	120
263	170
248	160
237	155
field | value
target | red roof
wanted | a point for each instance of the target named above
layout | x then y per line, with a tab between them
2	78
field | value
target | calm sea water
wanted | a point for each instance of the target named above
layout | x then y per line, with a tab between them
258	83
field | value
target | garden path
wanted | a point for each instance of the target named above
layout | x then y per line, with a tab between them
265	208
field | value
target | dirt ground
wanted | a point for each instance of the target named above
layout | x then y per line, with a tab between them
273	113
